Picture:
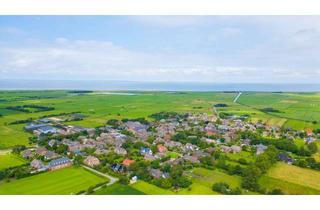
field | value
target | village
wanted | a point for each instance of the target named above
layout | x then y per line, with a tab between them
154	151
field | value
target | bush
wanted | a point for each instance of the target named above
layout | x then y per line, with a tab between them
225	189
276	192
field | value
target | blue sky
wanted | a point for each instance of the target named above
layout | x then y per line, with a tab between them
221	49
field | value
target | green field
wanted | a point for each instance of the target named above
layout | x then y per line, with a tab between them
61	182
296	110
287	188
118	189
10	160
292	179
202	180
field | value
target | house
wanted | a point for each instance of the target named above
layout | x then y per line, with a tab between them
59	163
156	173
79	153
28	154
127	162
236	149
37	164
116	167
172	144
286	158
49	155
138	129
200	154
101	151
144	151
161	148
33	126
91	161
190	147
120	151
133	180
225	149
309	132
46	130
261	148
149	157
41	151
192	159
211	150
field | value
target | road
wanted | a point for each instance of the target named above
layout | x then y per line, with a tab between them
111	178
216	112
239	94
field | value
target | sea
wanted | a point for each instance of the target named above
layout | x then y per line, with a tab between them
15	84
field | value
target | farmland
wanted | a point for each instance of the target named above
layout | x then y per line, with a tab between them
297	110
202	181
18	108
296	175
9	160
61	182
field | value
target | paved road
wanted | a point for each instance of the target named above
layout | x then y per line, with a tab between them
111	178
239	94
216	112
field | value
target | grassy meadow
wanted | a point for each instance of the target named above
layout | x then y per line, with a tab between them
61	182
297	110
10	160
202	181
118	189
292	179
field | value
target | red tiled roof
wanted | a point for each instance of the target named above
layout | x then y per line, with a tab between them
127	162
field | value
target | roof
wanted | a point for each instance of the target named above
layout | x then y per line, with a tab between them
162	148
127	162
59	161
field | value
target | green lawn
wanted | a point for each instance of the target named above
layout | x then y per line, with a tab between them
118	189
243	154
296	175
10	160
61	182
150	189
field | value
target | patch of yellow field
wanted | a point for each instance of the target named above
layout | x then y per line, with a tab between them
297	175
289	101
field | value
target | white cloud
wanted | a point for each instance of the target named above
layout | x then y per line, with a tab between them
90	59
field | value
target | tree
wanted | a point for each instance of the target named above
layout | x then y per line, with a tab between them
181	181
225	189
18	148
250	178
276	192
313	148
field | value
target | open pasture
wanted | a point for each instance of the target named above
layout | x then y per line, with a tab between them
300	109
10	160
118	189
296	175
61	182
98	108
296	110
202	180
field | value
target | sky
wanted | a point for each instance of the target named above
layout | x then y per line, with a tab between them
215	49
